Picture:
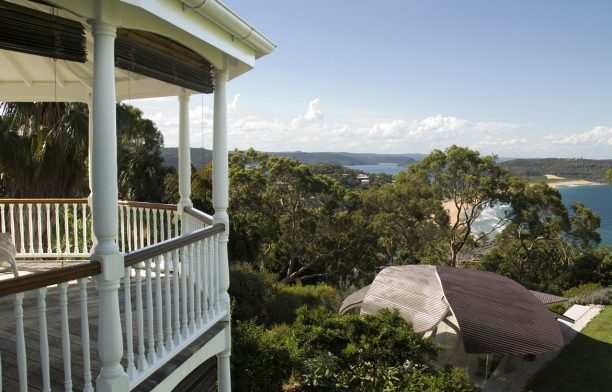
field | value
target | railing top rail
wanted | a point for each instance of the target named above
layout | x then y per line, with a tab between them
43	201
49	278
205	218
142	204
164	247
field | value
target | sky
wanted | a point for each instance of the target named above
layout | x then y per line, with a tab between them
518	78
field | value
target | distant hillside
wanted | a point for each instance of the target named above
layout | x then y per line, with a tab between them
350	159
201	156
586	169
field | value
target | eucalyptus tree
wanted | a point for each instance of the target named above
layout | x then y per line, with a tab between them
544	247
467	183
293	222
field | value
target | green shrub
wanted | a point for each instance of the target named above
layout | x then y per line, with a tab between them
371	353
261	358
286	300
560	308
597	297
256	295
582	289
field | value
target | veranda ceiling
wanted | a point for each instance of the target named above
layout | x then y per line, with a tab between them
26	77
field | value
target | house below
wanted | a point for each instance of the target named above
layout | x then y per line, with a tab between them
484	321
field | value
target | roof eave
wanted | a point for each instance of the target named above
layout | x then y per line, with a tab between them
225	18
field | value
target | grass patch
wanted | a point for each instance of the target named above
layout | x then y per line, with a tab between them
584	365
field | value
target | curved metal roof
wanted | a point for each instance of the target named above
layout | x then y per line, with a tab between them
496	315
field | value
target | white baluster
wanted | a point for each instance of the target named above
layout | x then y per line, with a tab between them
150	330
75	229
197	261
155	226
191	268
3	227
142	235
212	263
12	217
161	350
205	280
122	227
134	227
84	222
39	226
148	214
142	360
128	227
184	257
177	230
168	301
22	365
63	300
58	236
87	384
131	369
66	230
48	222
21	232
162	230
30	228
169	223
43	339
217	274
175	296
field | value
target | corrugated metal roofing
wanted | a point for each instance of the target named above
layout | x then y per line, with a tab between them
497	315
354	299
414	291
546	298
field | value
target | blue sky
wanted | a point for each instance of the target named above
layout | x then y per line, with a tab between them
516	78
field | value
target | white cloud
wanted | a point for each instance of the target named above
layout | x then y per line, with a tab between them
308	132
313	114
597	136
233	107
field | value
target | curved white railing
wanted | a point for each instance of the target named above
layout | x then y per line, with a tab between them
61	228
170	290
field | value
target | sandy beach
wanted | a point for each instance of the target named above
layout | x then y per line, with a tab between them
557	184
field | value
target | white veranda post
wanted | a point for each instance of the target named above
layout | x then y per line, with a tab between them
184	153
220	204
104	195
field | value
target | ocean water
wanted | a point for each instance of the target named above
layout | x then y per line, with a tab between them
596	197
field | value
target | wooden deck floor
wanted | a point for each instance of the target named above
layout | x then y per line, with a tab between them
31	325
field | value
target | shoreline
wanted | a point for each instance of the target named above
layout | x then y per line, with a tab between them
558	184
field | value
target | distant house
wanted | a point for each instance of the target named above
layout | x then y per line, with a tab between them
484	321
364	179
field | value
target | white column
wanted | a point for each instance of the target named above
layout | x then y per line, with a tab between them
184	152
89	160
220	204
112	376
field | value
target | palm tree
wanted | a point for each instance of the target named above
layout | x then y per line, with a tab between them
43	149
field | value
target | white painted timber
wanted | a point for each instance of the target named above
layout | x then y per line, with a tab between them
112	376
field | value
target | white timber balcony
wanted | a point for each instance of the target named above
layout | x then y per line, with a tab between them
169	294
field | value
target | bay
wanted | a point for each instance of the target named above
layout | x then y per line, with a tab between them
596	197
